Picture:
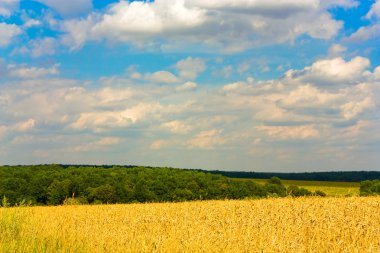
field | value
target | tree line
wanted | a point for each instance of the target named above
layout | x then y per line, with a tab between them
336	176
58	184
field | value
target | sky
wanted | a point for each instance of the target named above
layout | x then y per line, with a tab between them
243	85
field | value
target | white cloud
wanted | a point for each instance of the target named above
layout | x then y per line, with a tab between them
355	130
241	87
353	108
236	86
25	125
340	3
22	126
290	132
207	139
376	73
26	72
177	127
374	12
72	9
39	47
278	9
336	50
347	102
188	86
332	71
97	145
111	96
307	95
371	31
158	17
161	77
100	121
226	26
77	31
190	68
365	33
8	32
358	100
31	23
270	112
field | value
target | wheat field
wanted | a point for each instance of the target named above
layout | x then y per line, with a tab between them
267	225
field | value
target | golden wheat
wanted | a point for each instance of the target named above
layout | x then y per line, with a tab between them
267	225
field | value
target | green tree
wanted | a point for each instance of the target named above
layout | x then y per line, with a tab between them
274	180
296	191
104	194
58	191
369	187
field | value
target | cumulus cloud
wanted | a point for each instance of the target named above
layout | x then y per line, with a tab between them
307	96
112	96
358	100
332	71
236	86
102	120
8	32
190	68
353	108
376	74
161	77
215	25
162	16
242	87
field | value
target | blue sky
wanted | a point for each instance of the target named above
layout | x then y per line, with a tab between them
233	85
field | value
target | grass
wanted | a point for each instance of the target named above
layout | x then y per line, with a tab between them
330	188
267	225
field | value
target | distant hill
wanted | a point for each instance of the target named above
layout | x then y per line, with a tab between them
338	176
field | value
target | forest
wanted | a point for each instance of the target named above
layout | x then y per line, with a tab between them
60	184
